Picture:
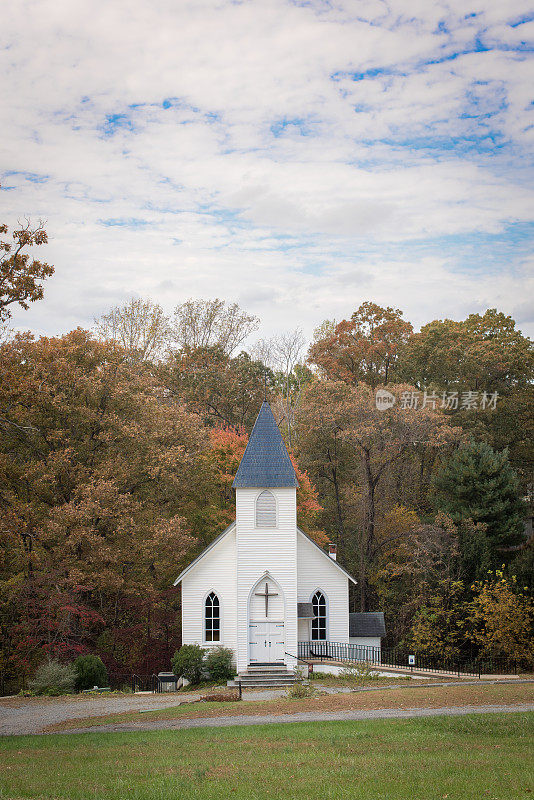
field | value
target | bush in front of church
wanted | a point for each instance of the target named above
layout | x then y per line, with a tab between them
53	678
218	664
90	672
188	663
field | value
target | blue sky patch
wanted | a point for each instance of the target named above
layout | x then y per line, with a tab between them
116	122
303	127
32	177
124	222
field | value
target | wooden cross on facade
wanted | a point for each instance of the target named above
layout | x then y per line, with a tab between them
267	594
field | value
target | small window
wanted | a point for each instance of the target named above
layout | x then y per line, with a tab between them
319	612
212	618
266	510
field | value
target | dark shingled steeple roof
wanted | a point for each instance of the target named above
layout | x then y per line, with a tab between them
266	461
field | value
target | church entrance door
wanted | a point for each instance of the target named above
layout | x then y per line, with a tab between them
266	617
266	642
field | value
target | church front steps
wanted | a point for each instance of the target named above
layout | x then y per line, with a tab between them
256	677
257	682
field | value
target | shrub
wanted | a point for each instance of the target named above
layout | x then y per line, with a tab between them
188	663
53	678
222	697
298	691
218	664
90	671
359	672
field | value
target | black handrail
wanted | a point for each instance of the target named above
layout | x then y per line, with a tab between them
297	657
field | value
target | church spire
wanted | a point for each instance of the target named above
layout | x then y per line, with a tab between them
265	462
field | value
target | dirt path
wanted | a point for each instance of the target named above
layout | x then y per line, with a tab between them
19	715
31	715
306	716
37	715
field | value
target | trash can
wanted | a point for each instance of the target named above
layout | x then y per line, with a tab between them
167	682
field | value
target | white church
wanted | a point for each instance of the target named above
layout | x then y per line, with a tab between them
263	588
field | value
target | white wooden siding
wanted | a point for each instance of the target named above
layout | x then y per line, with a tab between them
260	550
214	572
304	630
366	641
315	572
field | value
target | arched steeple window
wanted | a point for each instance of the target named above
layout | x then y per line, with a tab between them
212	618
319	612
266	510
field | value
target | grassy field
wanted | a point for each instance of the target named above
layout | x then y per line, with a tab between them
460	758
427	696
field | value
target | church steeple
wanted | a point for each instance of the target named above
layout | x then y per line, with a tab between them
265	462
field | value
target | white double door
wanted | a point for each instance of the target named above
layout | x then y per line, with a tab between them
266	642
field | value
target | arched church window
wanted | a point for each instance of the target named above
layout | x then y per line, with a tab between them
212	610
319	612
266	510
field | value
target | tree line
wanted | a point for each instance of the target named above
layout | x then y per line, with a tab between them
118	447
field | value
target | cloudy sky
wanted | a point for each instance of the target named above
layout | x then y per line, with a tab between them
298	157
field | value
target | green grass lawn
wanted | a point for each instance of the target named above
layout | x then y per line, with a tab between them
459	758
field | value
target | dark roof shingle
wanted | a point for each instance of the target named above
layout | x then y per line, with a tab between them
305	611
265	462
367	623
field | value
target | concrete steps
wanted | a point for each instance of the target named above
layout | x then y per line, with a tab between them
272	676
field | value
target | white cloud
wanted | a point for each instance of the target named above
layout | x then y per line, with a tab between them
296	157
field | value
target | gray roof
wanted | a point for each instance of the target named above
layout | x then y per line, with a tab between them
367	623
305	611
266	461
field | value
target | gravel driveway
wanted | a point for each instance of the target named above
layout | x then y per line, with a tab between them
20	715
306	716
30	715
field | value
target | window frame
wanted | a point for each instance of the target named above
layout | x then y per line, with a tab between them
315	623
275	509
211	618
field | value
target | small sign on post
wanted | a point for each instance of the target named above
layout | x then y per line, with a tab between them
411	662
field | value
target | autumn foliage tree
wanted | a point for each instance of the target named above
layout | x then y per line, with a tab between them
365	347
139	326
419	566
97	472
501	619
483	353
222	390
21	276
350	445
205	324
439	625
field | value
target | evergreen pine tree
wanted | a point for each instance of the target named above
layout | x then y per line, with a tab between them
478	483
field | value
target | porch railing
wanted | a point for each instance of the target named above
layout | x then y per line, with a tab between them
338	651
395	657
